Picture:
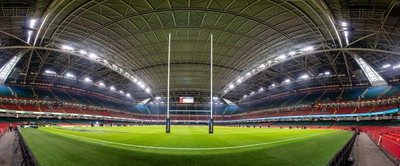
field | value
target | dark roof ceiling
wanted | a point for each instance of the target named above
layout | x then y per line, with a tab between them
133	34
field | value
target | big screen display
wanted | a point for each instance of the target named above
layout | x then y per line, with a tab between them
186	100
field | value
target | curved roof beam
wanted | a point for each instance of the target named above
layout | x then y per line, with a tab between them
267	66
125	73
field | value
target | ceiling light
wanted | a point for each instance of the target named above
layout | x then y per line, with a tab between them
287	81
141	84
239	80
248	74
344	24
49	72
291	53
397	66
121	91
87	79
307	49
102	84
32	23
83	52
261	89
69	75
346	33
215	98
147	90
281	57
252	93
67	48
231	86
262	66
93	56
128	95
273	85
304	76
244	96
386	66
327	73
112	88
158	97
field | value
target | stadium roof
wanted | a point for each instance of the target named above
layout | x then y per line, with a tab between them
258	44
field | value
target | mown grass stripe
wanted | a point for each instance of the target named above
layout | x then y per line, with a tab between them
191	149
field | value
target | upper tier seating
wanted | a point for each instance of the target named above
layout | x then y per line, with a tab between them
375	92
4	91
330	95
23	92
393	91
352	94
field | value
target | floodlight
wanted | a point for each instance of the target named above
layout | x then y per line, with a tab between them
386	66
281	57
304	76
32	23
158	97
248	74
307	49
231	86
287	81
215	98
291	53
147	90
346	33
344	24
244	96
92	56
128	95
87	79
83	52
239	80
327	73
273	85
121	91
67	48
141	85
261	89
112	88
69	75
49	72
102	84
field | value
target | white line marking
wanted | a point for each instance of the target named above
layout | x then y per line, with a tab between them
190	149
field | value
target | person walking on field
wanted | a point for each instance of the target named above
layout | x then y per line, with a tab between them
11	127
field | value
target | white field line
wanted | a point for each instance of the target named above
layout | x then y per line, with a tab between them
190	149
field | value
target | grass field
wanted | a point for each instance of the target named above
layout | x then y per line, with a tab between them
149	145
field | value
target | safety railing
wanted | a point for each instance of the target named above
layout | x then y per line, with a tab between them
28	159
342	157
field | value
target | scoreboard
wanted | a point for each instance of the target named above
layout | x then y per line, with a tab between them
186	100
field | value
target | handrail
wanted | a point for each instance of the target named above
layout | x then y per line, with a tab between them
341	157
28	159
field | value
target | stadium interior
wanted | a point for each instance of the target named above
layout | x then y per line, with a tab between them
82	73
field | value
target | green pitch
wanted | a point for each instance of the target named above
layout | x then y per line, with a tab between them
149	145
